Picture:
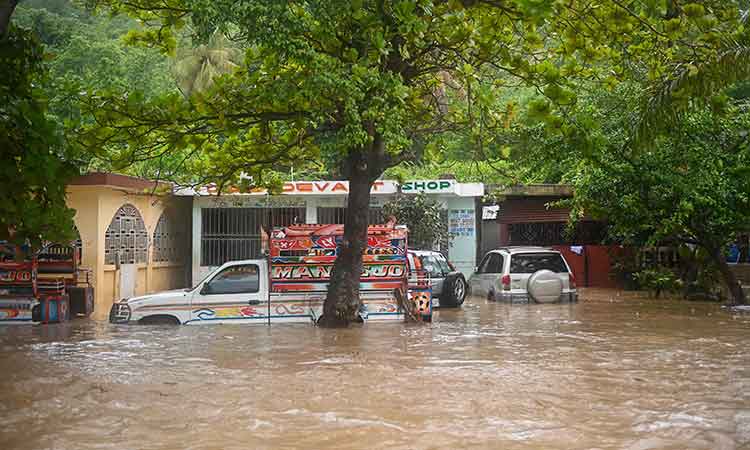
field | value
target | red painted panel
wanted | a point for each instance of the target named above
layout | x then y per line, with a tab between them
576	262
600	264
593	266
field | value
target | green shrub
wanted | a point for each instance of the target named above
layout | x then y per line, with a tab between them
658	280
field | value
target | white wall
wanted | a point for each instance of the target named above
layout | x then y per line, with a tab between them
462	252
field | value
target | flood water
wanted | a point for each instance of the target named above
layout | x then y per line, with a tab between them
604	374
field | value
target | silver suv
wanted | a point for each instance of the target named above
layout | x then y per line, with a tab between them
524	274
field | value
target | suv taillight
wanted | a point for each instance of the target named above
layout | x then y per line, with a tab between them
505	280
572	279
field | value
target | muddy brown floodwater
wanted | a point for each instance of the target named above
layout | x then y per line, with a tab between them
596	375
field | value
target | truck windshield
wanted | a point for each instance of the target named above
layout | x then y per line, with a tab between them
210	274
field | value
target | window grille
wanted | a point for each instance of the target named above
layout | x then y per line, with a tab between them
556	233
169	239
126	235
337	215
230	234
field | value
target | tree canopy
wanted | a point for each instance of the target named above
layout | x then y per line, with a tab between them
35	163
353	89
688	186
367	85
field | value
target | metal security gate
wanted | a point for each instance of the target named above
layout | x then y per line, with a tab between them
337	215
537	233
230	234
556	233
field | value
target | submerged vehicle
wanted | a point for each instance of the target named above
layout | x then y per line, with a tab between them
448	285
290	285
42	287
523	275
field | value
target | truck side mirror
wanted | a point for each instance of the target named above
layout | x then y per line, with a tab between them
206	289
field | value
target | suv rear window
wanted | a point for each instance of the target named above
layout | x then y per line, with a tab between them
531	262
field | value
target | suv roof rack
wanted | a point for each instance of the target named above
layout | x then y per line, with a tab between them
509	248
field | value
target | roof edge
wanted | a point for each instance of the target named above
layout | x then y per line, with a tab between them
533	190
119	181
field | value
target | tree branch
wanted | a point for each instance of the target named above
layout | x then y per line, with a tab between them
6	10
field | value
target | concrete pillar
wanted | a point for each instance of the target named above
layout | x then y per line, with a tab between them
196	241
311	210
504	234
86	201
101	308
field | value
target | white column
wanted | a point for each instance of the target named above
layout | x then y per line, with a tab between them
311	210
196	258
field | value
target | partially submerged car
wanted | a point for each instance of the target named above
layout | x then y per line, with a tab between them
523	275
449	286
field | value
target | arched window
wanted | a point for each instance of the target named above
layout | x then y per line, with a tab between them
126	235
169	239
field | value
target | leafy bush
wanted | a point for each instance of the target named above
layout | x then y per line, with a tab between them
658	280
422	216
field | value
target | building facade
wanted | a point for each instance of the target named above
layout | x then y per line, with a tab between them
230	226
132	241
533	215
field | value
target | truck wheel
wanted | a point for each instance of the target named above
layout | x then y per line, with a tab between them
454	291
159	319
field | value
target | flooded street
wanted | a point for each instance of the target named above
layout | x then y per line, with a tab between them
594	375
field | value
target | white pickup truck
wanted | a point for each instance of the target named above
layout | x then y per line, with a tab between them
238	292
289	286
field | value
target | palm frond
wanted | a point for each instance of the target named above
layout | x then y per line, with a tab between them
195	68
691	85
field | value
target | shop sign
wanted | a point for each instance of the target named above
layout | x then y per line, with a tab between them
342	188
428	186
333	187
309	188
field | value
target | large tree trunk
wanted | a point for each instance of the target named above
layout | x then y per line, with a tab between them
735	289
6	10
342	301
